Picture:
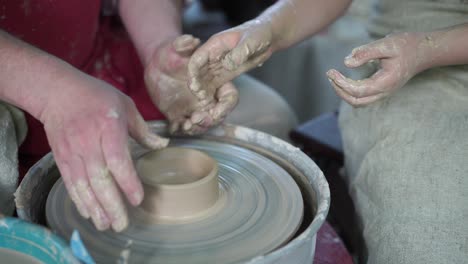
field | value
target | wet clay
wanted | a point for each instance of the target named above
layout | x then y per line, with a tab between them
179	183
259	208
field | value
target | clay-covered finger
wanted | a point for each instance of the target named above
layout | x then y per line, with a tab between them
76	178
139	130
211	52
175	125
245	50
61	149
255	61
185	45
197	130
378	49
66	174
383	81
187	125
197	63
208	55
83	189
358	89
117	157
354	101
105	188
201	118
227	97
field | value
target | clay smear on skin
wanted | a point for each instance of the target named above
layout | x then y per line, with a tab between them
104	186
97	215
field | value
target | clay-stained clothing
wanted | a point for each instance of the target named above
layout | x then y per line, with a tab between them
389	16
407	155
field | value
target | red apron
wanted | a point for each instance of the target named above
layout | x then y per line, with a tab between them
74	31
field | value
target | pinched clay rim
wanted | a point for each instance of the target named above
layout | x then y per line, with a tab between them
198	170
208	177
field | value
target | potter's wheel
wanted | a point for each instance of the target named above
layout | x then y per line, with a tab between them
260	208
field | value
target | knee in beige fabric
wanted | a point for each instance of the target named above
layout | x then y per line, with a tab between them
406	167
262	108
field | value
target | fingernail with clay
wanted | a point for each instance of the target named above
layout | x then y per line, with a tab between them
202	94
187	125
350	60
79	205
194	85
137	198
120	223
197	118
228	63
239	58
100	219
156	141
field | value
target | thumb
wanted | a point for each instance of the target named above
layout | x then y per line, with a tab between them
139	130
248	53
246	47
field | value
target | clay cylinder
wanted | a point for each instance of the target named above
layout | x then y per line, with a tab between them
179	183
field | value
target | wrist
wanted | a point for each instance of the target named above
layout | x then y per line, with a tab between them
36	80
49	83
279	21
429	50
31	75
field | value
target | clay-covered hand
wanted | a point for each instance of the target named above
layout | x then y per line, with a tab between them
400	58
228	54
87	124
167	80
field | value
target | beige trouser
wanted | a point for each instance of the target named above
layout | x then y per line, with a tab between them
407	156
407	168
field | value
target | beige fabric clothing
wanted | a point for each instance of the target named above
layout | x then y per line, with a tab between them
407	166
13	130
391	16
406	156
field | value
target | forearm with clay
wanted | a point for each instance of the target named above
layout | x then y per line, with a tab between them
155	28
230	53
87	123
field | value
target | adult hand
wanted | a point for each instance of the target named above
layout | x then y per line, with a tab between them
400	55
228	54
87	124
167	82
